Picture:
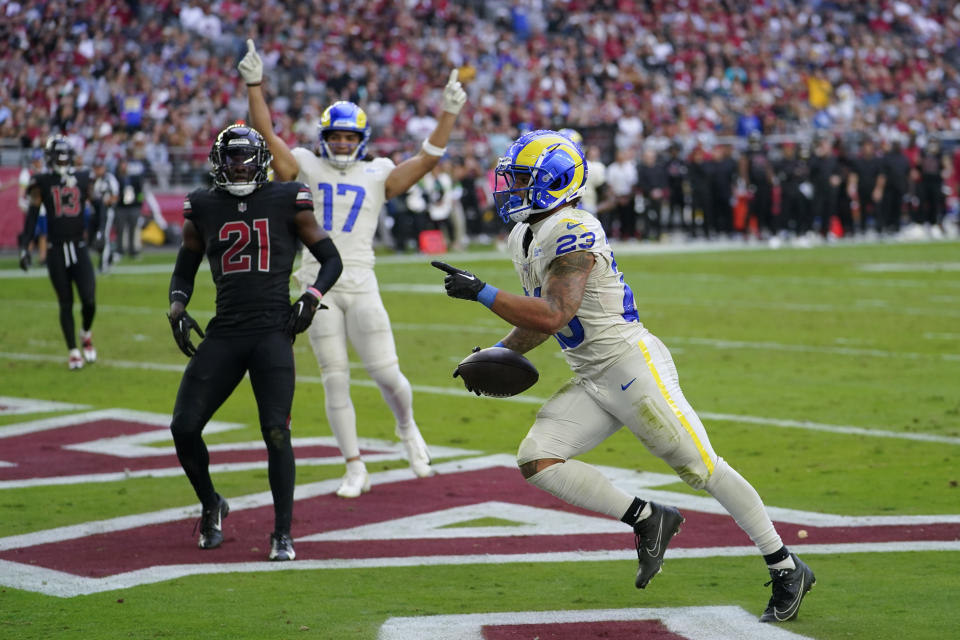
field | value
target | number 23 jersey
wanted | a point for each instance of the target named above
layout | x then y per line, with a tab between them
606	326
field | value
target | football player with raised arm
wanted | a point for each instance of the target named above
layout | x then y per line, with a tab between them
248	229
624	375
349	190
63	191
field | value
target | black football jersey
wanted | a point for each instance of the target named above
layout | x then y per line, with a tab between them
64	198
251	243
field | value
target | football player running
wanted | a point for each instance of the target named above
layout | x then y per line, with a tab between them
64	192
624	374
349	190
248	229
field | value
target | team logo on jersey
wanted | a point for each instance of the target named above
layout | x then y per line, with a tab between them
241	206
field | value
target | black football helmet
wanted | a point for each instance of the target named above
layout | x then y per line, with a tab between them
59	153
240	160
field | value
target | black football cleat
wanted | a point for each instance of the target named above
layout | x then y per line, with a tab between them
653	534
211	536
789	587
281	547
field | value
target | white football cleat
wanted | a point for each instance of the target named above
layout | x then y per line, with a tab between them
89	352
355	482
75	360
417	453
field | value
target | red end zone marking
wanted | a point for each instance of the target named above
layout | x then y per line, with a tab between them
246	532
607	630
44	454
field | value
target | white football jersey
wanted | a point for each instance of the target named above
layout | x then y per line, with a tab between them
347	205
606	326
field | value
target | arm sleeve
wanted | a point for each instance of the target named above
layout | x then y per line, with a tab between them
330	264
29	226
184	273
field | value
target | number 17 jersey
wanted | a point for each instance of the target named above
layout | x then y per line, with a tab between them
347	204
606	326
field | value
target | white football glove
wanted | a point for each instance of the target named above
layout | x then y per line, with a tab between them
454	97
251	66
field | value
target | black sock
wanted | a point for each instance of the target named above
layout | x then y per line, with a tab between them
777	556
630	517
195	460
282	472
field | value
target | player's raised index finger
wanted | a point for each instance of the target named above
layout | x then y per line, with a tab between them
252	48
454	73
443	266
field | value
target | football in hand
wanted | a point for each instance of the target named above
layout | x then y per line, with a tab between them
497	372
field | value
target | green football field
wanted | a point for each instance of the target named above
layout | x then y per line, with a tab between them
828	377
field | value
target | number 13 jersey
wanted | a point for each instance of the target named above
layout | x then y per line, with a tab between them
606	326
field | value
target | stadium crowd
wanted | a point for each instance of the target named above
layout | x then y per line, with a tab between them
694	75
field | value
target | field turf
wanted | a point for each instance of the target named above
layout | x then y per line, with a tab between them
828	377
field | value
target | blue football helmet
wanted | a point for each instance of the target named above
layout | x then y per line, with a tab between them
343	116
573	134
541	171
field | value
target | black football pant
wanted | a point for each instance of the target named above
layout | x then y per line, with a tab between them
68	263
212	374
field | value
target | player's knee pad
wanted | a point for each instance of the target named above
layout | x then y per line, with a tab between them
276	437
530	450
386	374
186	424
336	386
720	469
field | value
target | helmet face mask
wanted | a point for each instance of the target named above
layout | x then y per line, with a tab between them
541	171
240	160
342	116
59	154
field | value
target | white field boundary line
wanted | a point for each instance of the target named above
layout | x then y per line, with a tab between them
528	399
699	623
630	481
63	584
139	446
860	305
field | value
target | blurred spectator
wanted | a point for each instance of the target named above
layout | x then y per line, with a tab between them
622	180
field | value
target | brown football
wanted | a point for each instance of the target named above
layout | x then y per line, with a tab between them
497	372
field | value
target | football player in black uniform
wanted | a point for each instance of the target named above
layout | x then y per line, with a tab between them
248	229
64	190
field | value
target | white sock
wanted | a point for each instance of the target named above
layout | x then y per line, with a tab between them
743	502
356	467
646	512
583	486
787	563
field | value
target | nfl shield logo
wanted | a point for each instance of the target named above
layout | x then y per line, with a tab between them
241	207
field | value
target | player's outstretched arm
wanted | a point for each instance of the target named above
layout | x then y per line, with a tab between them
284	164
560	297
408	172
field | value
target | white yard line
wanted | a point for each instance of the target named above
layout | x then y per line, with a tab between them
529	399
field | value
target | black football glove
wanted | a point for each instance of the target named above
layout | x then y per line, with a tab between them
25	259
456	372
301	314
181	325
459	283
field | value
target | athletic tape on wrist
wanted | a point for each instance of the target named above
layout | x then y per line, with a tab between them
487	295
433	150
